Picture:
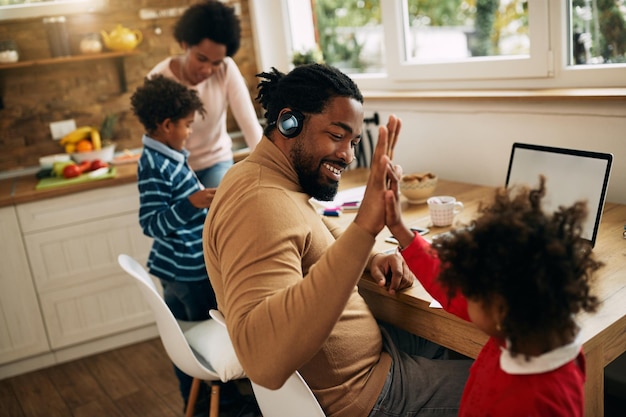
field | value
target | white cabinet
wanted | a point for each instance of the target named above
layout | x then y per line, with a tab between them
22	332
72	244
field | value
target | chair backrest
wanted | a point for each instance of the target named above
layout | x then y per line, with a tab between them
172	336
294	398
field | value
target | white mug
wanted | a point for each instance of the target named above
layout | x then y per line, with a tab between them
443	208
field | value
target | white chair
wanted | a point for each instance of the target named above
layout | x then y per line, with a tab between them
294	398
202	349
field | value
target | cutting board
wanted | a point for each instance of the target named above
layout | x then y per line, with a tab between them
52	182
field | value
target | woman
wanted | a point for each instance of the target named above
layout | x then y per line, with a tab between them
209	34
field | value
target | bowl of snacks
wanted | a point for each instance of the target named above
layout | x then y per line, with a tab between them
418	187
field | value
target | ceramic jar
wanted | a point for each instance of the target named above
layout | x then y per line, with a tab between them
91	44
8	52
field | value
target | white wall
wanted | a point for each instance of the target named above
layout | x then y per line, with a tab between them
471	141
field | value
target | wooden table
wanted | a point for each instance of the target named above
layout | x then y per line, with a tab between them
603	333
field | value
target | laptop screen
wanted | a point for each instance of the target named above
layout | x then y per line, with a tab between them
571	175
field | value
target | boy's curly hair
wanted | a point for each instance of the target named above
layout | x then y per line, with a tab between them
161	98
537	263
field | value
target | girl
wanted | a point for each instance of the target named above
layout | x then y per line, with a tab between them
521	276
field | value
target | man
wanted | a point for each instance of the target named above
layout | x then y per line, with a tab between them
285	278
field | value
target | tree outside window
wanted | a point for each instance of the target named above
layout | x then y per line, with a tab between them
350	32
598	31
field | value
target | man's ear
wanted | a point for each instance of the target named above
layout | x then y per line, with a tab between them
290	123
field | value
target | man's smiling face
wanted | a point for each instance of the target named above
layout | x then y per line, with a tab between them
326	146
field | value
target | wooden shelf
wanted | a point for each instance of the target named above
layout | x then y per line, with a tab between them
66	59
117	56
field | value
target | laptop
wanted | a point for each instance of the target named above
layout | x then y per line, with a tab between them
571	175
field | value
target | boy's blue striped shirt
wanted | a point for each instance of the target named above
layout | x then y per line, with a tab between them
165	183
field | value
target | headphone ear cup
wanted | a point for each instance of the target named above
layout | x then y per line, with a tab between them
290	123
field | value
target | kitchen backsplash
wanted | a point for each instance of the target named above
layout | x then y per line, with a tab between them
34	96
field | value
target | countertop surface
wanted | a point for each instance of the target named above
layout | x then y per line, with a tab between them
21	189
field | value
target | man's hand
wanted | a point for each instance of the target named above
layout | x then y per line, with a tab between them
390	270
203	198
371	215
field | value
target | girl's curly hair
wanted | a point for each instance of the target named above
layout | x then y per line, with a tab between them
161	98
537	262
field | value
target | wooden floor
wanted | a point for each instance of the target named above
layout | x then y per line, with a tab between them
133	381
136	380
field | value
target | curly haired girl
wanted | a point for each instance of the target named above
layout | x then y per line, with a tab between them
520	275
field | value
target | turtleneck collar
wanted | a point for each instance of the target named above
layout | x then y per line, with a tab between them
268	155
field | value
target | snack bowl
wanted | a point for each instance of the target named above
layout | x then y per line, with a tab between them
105	154
418	187
49	160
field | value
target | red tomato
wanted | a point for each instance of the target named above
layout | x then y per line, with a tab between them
97	164
71	171
84	166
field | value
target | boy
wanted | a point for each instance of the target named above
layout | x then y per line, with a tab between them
173	203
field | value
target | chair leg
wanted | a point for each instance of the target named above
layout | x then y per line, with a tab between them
193	396
214	409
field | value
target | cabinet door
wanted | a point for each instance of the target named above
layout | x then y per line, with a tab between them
83	291
78	208
22	332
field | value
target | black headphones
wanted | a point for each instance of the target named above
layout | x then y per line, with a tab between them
290	123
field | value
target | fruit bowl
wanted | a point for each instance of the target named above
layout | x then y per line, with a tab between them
105	154
418	187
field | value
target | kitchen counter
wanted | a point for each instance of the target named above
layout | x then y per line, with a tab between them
63	243
21	189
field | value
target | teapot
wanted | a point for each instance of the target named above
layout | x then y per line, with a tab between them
122	39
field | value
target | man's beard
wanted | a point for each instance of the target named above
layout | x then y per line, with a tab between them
309	176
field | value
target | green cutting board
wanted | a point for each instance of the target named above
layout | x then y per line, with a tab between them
52	182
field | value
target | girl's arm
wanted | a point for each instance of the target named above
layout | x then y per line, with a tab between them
425	264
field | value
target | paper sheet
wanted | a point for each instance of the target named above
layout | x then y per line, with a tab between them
350	195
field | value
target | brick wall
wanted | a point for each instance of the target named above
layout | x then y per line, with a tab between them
86	91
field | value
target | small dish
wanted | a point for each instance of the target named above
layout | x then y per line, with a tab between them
49	160
418	187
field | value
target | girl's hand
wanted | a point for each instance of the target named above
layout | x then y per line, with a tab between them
393	214
371	215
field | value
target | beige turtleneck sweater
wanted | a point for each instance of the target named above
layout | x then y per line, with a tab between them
285	279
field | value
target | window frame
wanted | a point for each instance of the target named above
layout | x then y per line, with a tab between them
273	42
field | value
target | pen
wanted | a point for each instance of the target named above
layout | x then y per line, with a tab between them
351	204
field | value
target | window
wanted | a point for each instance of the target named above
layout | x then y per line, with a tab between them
478	39
597	32
452	44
